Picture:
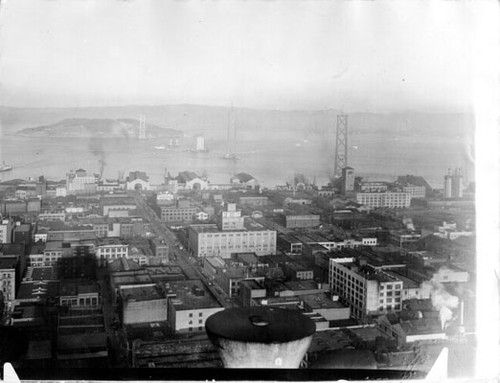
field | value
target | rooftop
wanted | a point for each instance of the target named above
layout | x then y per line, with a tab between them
142	293
8	262
73	288
190	295
43	273
369	273
249	223
321	301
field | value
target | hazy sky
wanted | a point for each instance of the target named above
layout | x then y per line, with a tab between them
375	56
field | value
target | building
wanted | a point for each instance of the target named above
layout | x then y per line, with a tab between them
201	216
373	187
231	219
415	191
143	304
183	212
9	277
251	289
164	198
189	181
79	294
78	182
52	215
409	331
121	204
52	253
138	181
369	292
189	306
254	201
447	230
347	180
228	274
387	199
453	184
403	238
293	221
244	179
22	234
110	249
296	271
14	208
159	248
200	143
207	241
6	228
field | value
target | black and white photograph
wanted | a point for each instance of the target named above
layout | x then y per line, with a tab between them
249	190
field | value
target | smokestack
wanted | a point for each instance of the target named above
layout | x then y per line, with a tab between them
260	337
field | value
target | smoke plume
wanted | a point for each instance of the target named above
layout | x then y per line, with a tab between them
96	148
442	300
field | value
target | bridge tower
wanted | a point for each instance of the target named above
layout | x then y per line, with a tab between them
341	144
142	127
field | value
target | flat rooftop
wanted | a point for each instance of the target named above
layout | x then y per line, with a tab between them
8	262
191	295
249	225
78	287
131	279
370	274
43	273
37	290
321	301
407	282
141	293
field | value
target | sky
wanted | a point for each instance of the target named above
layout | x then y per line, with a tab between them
353	55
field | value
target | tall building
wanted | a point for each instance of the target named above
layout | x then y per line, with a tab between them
6	229
366	290
347	180
453	184
231	219
200	143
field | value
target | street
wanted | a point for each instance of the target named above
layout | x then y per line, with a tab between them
183	259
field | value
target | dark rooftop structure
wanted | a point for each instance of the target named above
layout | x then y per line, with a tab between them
8	262
259	325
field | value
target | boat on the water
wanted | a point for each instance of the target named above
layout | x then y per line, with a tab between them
230	156
160	147
4	167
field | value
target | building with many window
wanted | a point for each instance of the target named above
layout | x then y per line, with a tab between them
231	219
79	294
111	249
208	241
8	271
6	229
177	214
387	199
366	290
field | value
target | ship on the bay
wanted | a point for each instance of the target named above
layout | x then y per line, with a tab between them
5	167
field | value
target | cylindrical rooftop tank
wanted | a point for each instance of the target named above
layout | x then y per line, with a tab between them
260	337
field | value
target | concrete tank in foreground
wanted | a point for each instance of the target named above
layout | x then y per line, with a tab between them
260	337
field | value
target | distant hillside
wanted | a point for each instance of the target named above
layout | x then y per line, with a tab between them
251	124
102	127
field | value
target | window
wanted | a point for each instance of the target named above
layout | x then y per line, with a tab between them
200	314
190	315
